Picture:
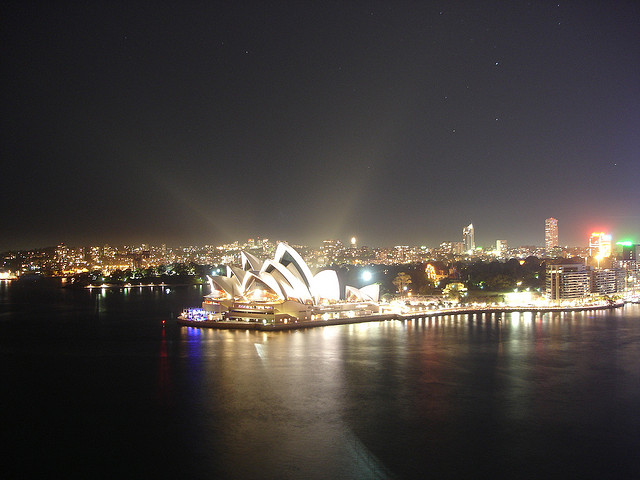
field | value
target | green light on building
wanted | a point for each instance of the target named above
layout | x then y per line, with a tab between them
626	243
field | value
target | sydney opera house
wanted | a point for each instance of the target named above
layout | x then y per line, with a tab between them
283	290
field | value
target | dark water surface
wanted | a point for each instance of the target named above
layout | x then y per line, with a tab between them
93	386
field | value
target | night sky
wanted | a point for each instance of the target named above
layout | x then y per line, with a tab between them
397	122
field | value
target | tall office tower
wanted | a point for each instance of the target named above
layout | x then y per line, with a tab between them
550	234
501	247
600	245
629	261
468	238
629	251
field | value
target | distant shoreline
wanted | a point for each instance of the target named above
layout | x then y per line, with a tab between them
140	285
60	282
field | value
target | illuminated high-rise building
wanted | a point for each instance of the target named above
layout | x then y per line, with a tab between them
468	239
550	234
603	281
630	251
501	247
600	245
629	262
566	281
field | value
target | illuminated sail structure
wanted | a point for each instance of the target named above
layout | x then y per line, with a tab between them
280	287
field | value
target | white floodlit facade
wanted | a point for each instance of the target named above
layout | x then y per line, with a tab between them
279	289
468	238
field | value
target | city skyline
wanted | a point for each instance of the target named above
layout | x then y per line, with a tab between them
466	241
397	123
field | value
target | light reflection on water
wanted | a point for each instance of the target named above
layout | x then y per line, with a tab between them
553	395
371	397
278	395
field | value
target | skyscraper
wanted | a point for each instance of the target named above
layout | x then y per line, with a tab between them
600	245
468	238
501	247
630	251
550	234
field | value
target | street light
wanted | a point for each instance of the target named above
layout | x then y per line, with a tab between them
599	257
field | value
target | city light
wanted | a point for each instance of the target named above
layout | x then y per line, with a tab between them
605	270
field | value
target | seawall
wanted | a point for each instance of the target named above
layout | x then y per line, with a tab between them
238	325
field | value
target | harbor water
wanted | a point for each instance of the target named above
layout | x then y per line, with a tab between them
104	383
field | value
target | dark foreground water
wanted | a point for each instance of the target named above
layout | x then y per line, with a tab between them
93	386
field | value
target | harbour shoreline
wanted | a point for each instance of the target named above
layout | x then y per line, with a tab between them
240	325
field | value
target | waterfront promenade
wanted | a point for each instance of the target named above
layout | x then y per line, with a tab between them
393	316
